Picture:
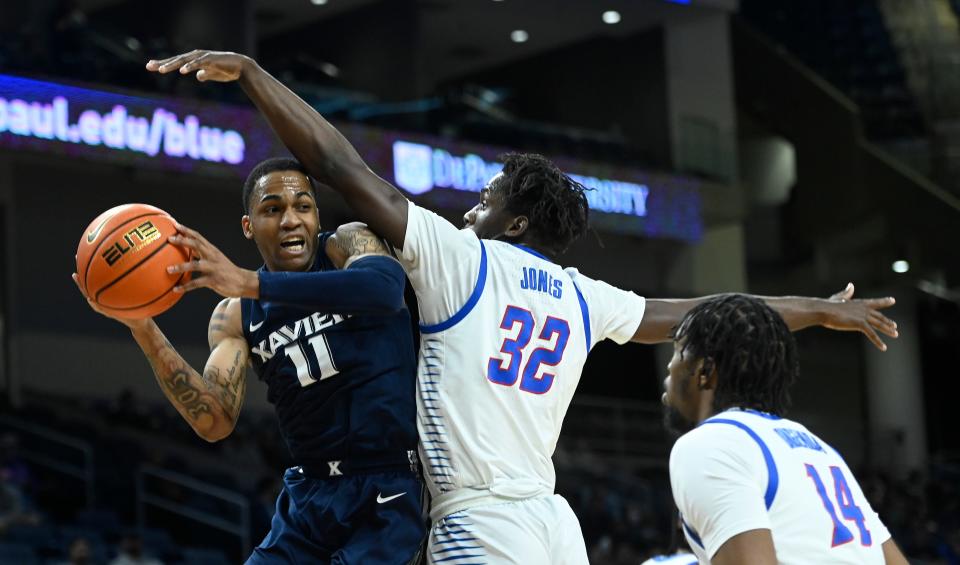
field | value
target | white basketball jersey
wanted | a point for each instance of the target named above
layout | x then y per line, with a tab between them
682	558
505	334
743	470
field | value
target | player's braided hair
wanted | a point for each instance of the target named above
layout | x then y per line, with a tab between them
555	204
750	347
266	167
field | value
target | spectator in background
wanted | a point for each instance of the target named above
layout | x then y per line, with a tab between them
79	553
14	509
127	409
131	552
13	470
15	505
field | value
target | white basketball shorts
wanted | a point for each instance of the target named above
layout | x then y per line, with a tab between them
535	531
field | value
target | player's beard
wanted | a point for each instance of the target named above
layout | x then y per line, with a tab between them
674	422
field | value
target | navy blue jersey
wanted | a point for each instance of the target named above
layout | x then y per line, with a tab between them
343	386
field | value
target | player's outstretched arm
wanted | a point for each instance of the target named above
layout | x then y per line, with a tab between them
361	287
839	312
209	403
369	280
326	154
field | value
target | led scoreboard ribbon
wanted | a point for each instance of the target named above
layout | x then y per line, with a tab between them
220	139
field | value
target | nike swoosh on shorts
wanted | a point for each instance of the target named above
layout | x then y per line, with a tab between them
381	500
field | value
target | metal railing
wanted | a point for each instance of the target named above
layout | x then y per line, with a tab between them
83	471
146	497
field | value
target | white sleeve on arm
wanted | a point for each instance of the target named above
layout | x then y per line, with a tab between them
442	263
718	484
614	313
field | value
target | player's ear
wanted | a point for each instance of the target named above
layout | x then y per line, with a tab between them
706	373
518	226
245	226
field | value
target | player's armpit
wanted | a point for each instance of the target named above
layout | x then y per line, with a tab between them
753	546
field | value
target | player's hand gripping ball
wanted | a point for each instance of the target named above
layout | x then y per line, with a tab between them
122	261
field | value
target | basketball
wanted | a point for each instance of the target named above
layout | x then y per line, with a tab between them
122	261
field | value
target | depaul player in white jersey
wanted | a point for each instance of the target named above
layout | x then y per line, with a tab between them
506	330
752	486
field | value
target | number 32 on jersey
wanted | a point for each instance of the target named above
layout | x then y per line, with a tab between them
516	363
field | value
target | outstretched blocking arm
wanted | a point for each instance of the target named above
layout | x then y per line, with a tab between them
325	153
839	312
211	402
369	279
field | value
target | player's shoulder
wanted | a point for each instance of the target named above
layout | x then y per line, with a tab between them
226	321
228	307
584	283
707	441
352	241
587	283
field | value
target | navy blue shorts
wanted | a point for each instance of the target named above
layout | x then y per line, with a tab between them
369	519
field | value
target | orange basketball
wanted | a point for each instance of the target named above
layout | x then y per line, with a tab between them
122	261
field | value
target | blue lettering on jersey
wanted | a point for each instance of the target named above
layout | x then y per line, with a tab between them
796	438
541	281
312	324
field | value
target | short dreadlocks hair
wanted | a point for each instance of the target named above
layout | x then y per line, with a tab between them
264	168
750	347
555	204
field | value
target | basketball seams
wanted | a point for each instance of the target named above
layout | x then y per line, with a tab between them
142	279
130	270
103	239
145	304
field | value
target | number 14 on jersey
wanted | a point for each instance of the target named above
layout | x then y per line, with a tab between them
848	507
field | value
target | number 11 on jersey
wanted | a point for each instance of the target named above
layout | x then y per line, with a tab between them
321	352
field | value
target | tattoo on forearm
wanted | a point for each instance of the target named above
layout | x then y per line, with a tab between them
174	377
229	386
186	395
358	241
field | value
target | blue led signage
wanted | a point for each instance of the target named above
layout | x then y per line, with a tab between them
158	132
199	137
418	168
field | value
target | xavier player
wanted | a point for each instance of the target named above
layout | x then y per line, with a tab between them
342	385
752	486
505	331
